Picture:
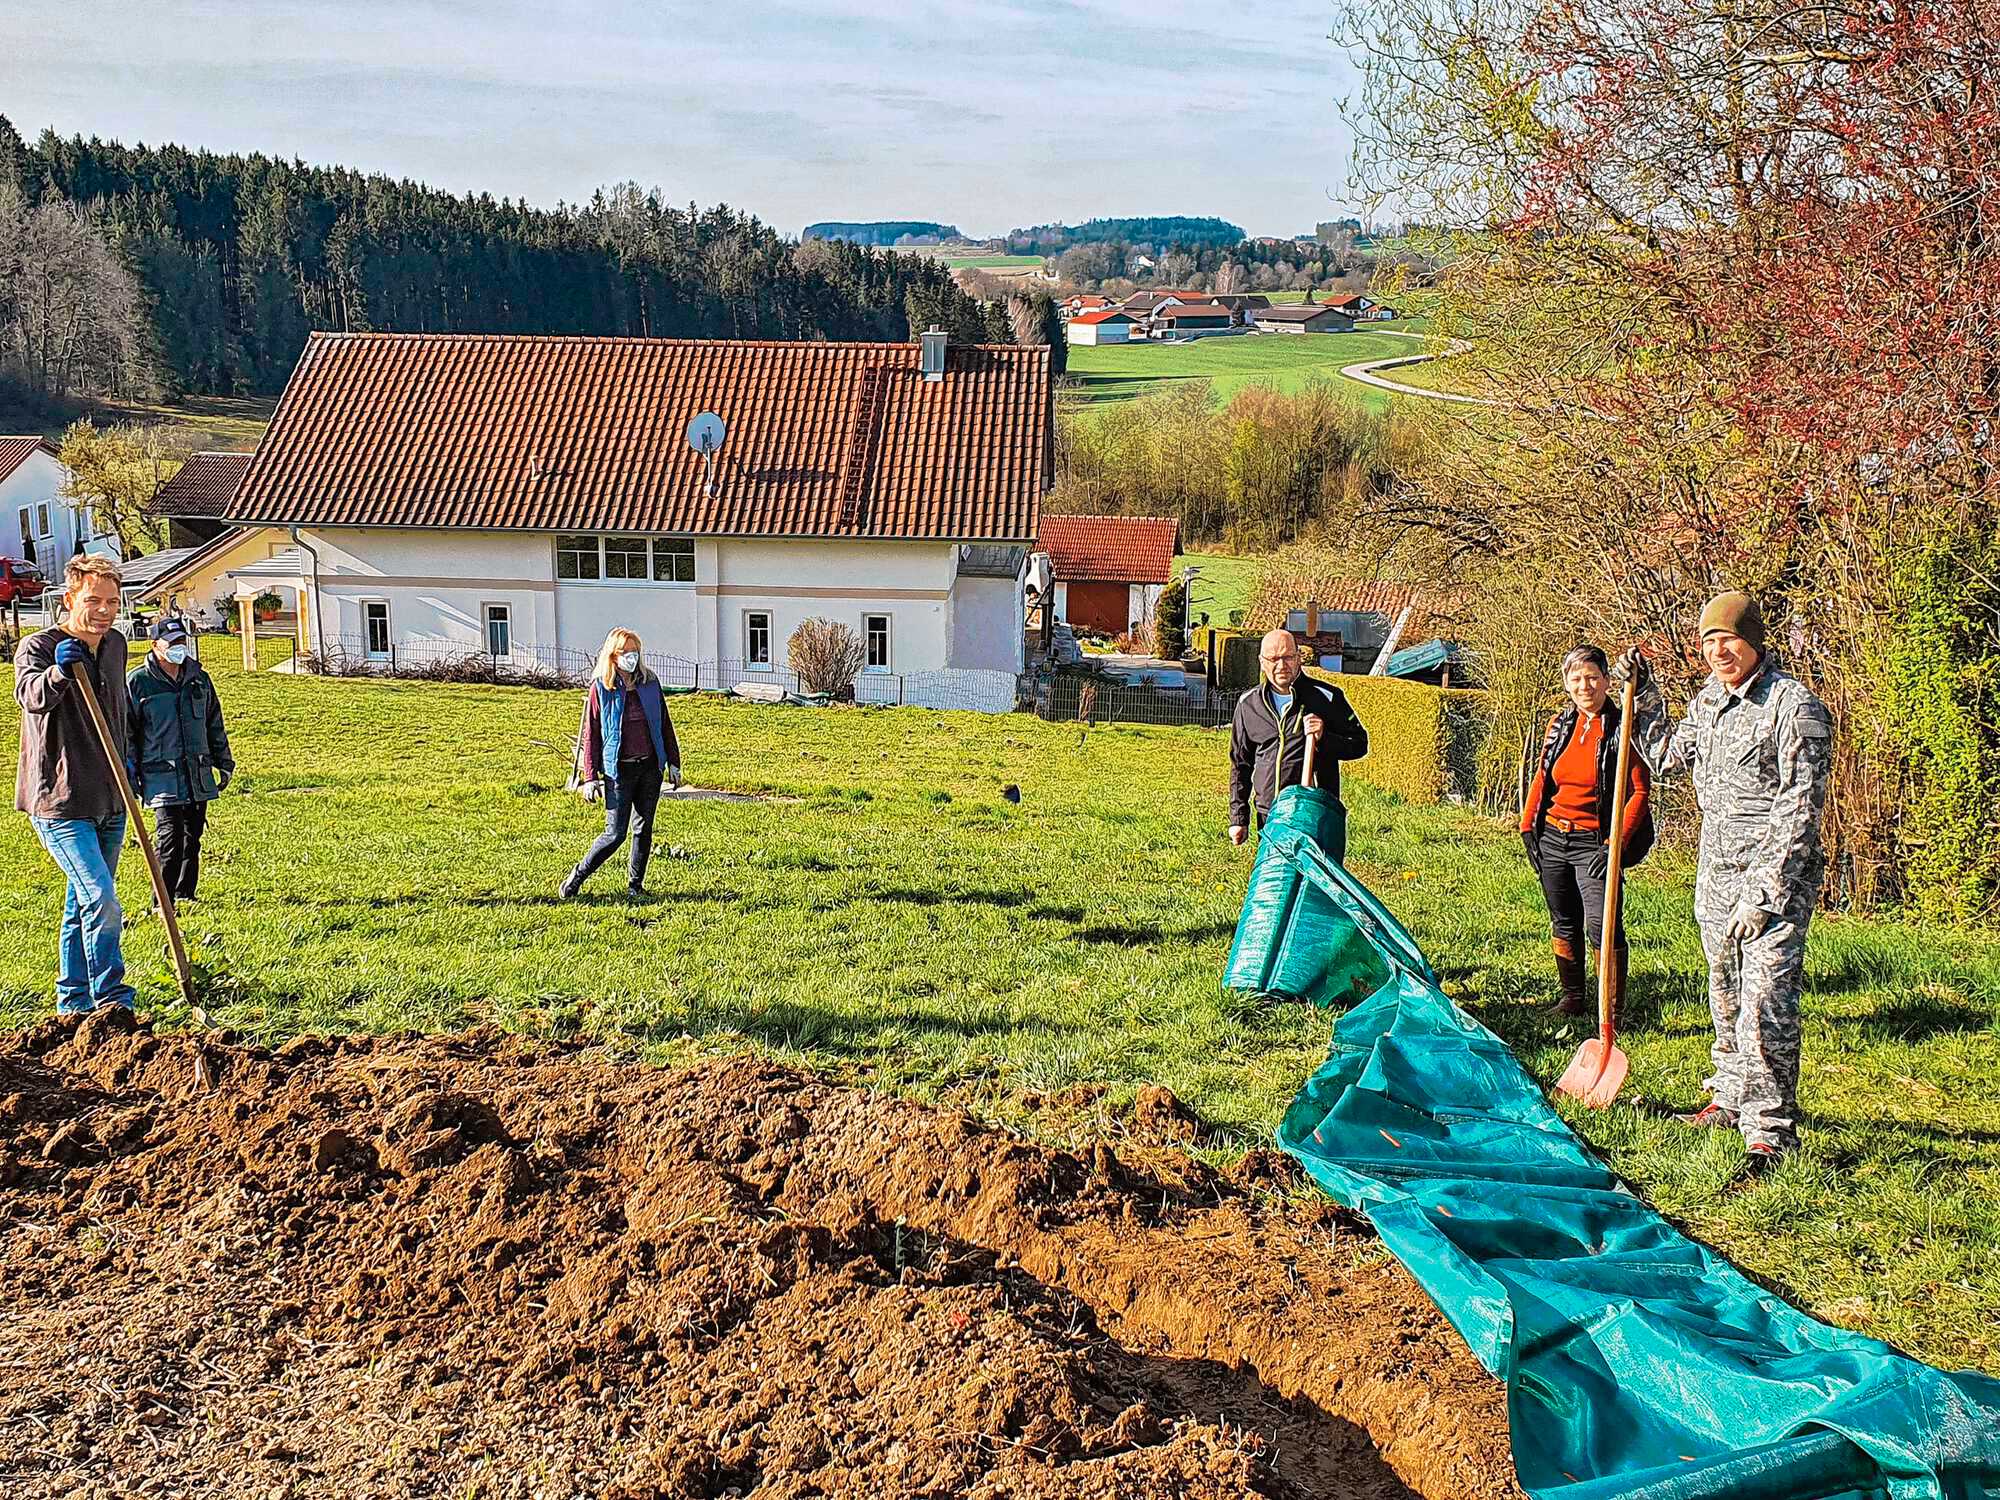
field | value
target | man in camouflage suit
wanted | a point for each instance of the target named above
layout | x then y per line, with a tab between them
1759	746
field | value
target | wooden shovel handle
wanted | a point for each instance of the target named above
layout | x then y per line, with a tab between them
132	813
1309	772
1615	869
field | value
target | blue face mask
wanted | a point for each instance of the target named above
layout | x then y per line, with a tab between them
177	654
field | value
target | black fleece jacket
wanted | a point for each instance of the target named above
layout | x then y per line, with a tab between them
1266	754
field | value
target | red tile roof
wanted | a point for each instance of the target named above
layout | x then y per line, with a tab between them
1108	315
1110	549
588	434
14	452
202	486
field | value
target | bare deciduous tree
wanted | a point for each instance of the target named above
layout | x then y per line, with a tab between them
826	655
71	316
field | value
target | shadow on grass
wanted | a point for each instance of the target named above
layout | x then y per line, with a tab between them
1916	1018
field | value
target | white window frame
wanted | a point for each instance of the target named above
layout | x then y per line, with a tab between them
597	543
505	611
750	662
678	542
42	527
885	667
388	633
27	524
645	559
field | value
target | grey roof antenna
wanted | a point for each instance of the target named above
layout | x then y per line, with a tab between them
705	434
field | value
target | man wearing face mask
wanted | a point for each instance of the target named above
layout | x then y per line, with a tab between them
1759	746
66	785
179	757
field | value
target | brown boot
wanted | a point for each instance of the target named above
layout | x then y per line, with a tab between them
1569	974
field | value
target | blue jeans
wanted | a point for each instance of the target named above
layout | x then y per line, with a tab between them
92	965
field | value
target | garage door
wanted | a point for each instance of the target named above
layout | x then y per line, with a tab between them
1100	606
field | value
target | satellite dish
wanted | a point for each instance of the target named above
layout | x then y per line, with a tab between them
705	435
706	432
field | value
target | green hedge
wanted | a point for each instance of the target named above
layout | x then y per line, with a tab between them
1233	651
1423	742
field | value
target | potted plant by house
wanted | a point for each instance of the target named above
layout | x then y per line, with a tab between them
267	605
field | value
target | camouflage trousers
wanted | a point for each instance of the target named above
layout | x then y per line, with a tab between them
1753	998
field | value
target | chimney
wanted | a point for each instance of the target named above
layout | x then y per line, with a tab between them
934	340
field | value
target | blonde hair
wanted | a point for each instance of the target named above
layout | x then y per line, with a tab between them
619	640
90	565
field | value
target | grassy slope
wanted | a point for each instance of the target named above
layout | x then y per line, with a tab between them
1226	582
1119	372
388	856
232	423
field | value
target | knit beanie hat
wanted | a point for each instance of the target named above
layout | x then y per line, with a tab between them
1736	613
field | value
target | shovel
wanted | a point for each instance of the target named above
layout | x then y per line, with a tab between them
160	892
1597	1072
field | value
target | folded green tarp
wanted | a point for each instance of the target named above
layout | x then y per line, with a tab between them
1637	1362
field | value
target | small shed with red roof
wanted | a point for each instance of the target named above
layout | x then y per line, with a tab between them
1108	570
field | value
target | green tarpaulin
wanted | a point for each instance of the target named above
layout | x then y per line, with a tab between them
1637	1362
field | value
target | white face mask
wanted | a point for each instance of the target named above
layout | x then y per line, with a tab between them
628	661
177	654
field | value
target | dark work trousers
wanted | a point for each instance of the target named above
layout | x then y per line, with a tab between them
629	803
178	828
1575	896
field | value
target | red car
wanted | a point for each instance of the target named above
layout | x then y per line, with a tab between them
20	583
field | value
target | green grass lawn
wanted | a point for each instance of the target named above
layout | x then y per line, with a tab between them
232	423
388	857
1226	583
1119	372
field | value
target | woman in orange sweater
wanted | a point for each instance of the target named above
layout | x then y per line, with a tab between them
1567	814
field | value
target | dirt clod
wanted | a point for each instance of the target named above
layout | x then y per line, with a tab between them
466	1265
1159	1113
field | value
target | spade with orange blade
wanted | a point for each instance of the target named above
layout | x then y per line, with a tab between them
1597	1072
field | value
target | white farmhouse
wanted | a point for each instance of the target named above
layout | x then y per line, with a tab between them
37	524
420	495
1106	325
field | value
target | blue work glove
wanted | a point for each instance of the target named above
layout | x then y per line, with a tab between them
70	651
673	775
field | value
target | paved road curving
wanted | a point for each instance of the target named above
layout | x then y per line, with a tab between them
1364	371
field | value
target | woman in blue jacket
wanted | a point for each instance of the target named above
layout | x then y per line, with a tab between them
626	746
179	756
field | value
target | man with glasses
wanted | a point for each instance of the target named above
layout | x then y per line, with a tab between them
1274	721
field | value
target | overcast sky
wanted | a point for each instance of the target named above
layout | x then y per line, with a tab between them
989	116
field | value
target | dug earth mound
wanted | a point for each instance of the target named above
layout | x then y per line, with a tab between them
473	1265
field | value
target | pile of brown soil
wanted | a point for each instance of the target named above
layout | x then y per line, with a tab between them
474	1266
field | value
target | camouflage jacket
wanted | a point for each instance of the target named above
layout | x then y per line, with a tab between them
1760	759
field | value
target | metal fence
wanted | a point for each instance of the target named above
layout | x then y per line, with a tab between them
1068	696
551	666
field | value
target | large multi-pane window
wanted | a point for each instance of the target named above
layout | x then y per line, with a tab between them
875	632
576	557
757	639
625	559
673	559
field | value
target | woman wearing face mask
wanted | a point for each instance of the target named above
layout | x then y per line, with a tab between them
625	746
179	757
1565	820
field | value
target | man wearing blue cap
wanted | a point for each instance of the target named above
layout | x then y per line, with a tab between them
180	758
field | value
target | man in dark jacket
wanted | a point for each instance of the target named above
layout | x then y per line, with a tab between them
1267	740
65	782
180	750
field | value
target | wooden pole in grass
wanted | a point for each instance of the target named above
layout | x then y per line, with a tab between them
132	811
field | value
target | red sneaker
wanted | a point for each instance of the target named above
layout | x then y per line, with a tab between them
1709	1117
1761	1161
